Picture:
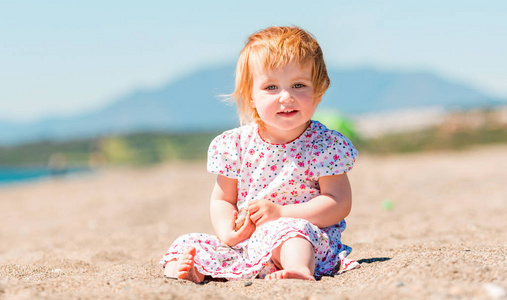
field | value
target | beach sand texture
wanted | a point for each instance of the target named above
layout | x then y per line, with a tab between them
423	226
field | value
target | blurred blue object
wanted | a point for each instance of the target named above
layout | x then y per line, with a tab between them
19	175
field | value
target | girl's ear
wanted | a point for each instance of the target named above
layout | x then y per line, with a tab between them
317	100
252	103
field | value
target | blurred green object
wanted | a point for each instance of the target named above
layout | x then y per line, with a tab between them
118	151
387	204
336	121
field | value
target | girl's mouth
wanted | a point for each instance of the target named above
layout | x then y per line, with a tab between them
287	113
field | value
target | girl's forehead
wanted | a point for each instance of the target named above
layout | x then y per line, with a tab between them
261	70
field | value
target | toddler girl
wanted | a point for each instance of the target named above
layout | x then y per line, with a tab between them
287	171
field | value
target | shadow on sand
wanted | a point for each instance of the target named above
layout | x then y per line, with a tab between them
373	260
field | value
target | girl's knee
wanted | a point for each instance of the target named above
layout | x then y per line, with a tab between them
299	241
296	242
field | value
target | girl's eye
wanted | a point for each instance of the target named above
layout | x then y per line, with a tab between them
271	87
299	85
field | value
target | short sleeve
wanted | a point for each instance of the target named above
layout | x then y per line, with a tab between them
224	155
333	154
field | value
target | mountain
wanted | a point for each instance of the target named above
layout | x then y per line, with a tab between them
194	103
367	90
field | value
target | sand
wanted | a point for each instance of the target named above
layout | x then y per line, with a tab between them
423	226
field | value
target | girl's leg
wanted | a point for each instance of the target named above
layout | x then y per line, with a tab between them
184	268
296	258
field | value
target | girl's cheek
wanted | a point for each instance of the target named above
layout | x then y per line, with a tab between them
305	93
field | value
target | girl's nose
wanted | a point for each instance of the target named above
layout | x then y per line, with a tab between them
286	96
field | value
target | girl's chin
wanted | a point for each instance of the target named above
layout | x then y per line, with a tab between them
288	127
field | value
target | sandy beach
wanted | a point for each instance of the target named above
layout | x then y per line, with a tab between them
423	226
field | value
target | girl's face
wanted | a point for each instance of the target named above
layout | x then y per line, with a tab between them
284	99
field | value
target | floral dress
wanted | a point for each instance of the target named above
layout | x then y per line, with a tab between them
284	174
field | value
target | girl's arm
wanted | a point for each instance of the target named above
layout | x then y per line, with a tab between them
327	209
224	211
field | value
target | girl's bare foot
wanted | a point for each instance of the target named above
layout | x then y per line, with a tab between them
290	274
184	267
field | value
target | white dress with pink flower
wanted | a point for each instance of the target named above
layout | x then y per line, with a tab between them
284	174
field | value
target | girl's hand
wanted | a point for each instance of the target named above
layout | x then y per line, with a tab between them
244	232
262	211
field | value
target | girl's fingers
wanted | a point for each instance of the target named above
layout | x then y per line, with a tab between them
245	228
254	217
249	222
260	221
252	208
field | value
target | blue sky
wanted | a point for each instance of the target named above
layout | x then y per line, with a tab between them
61	58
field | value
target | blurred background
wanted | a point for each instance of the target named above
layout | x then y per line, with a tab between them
110	83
